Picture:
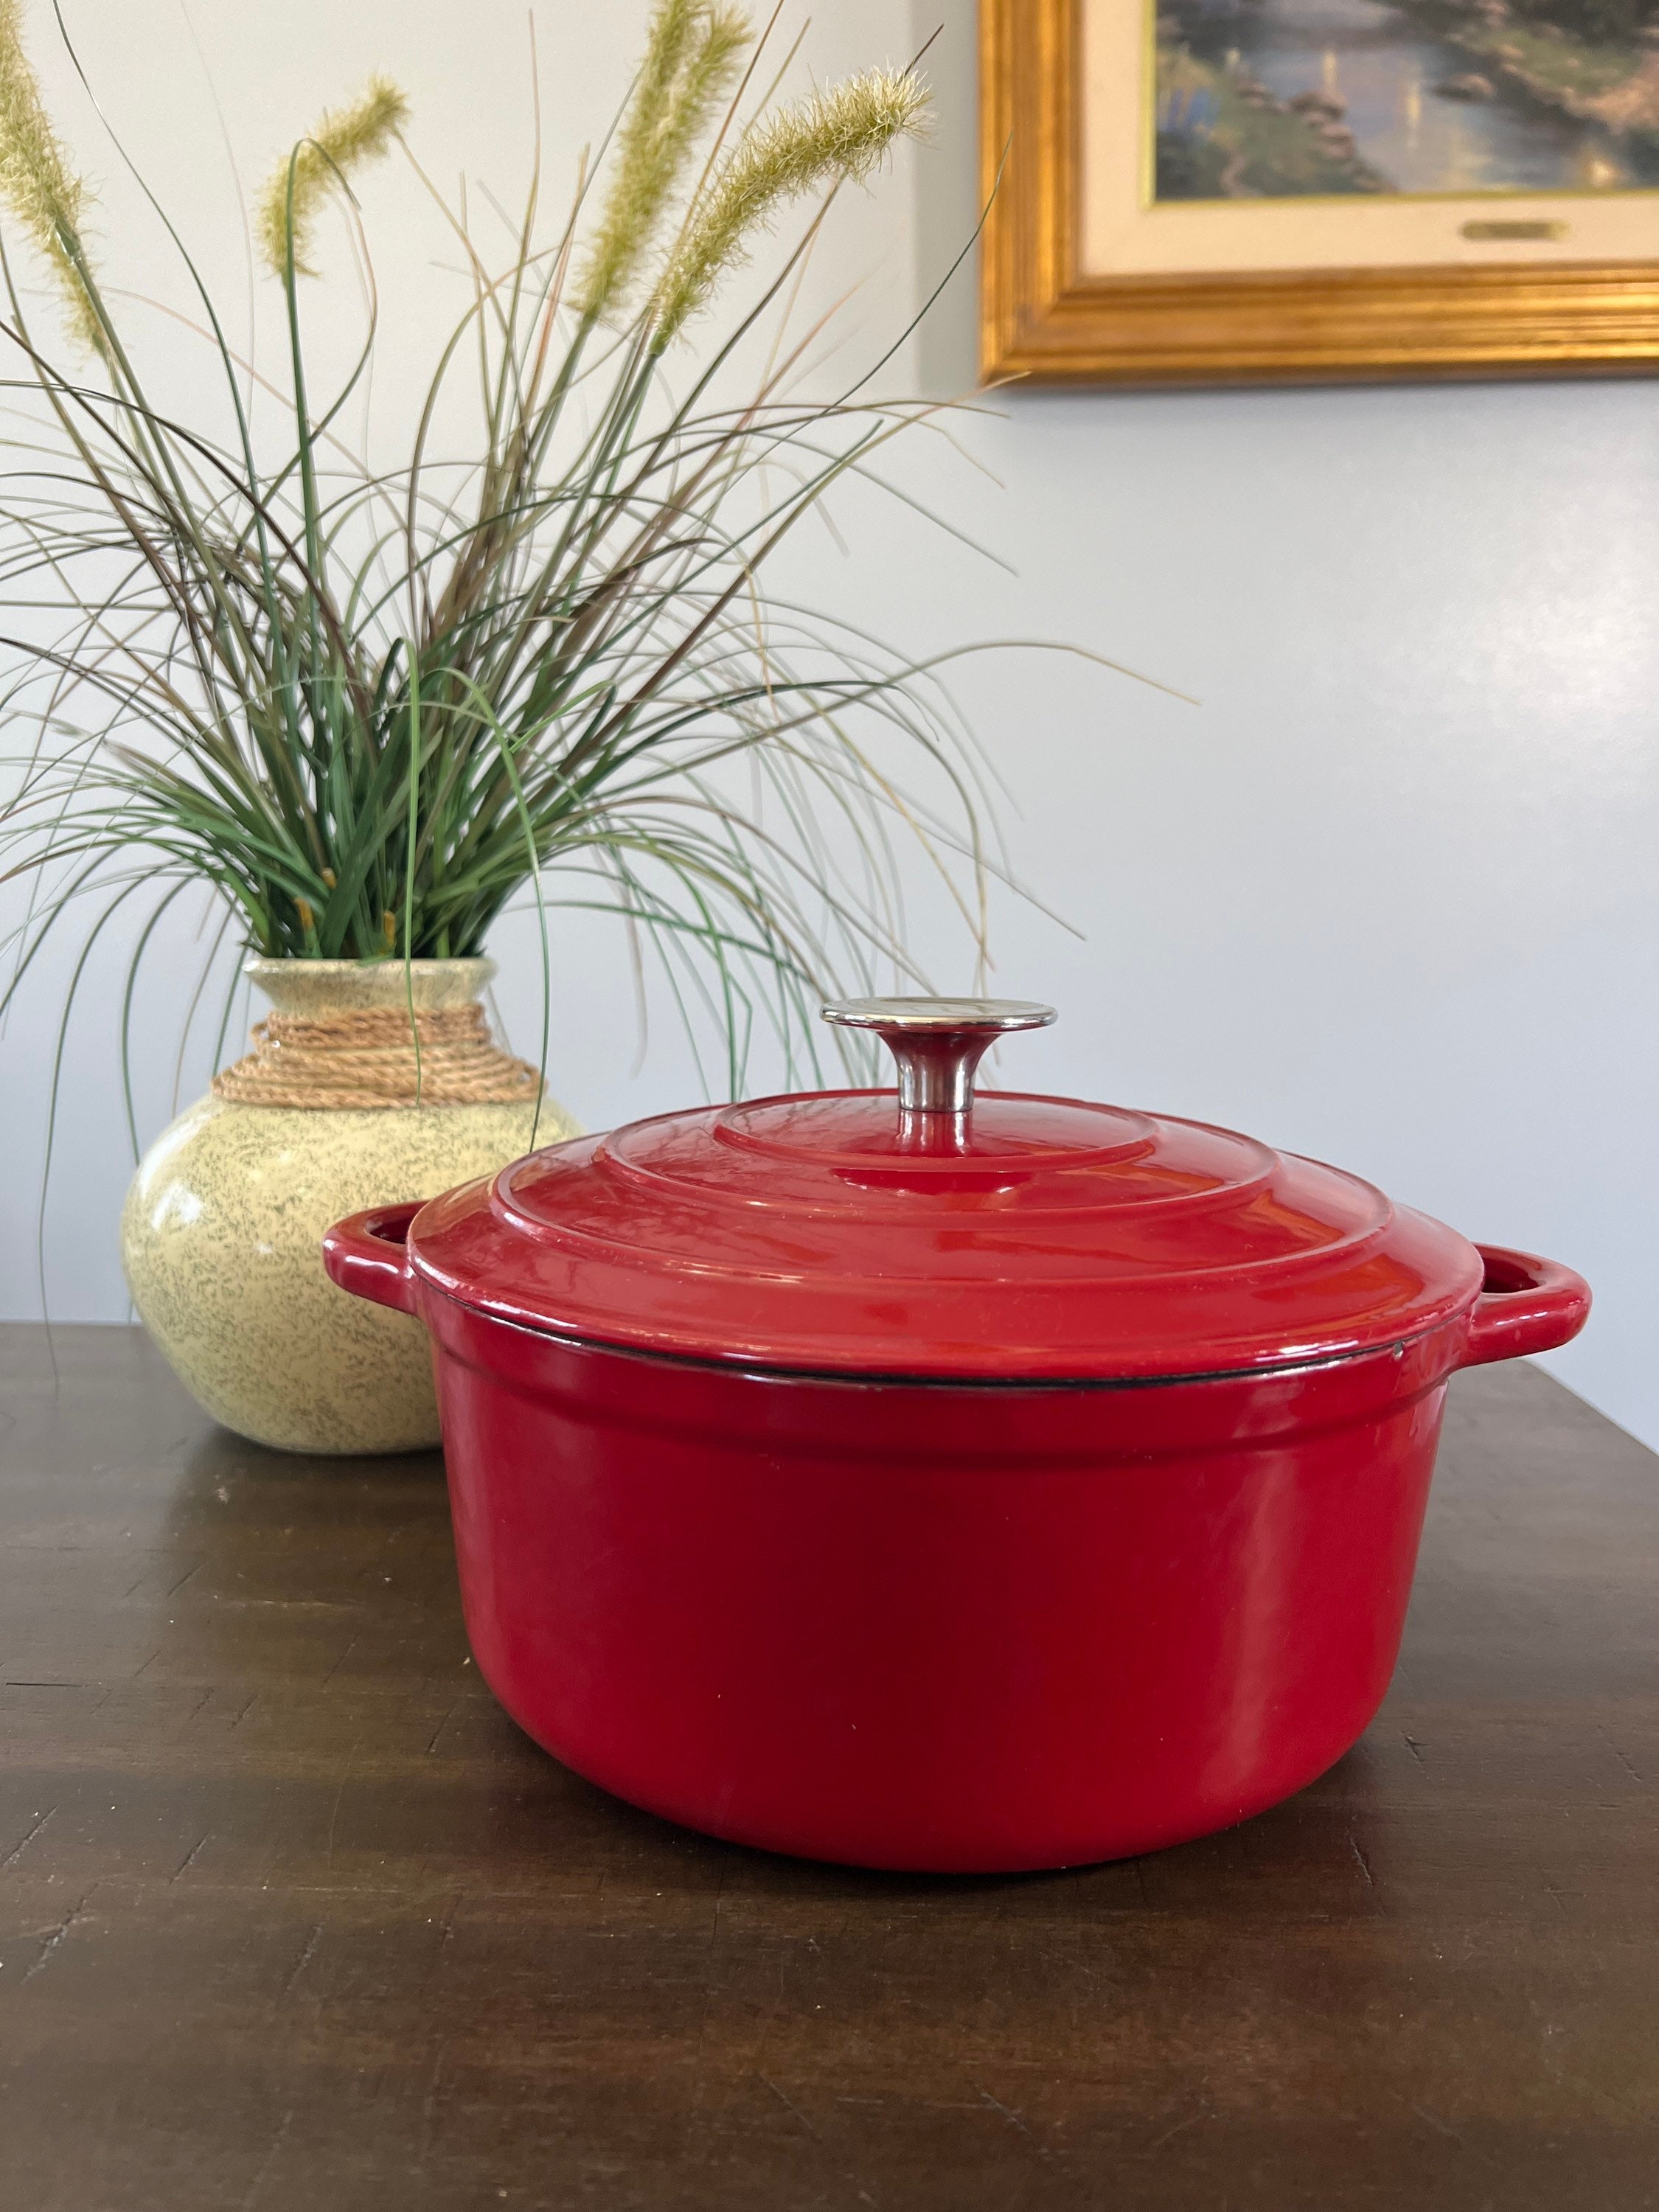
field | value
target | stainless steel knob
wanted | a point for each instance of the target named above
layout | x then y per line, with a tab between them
938	1042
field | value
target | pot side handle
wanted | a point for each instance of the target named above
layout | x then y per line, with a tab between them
1527	1305
367	1255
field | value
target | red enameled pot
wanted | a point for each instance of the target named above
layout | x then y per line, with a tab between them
941	1483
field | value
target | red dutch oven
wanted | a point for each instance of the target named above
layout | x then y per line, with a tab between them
940	1482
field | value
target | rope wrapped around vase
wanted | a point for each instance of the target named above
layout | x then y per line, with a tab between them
368	1058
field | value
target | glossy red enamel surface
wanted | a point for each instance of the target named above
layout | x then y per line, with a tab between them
938	1626
958	1490
928	1627
1047	1239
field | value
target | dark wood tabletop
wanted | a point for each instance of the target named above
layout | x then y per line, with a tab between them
293	1919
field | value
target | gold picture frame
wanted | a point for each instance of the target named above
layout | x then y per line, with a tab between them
1045	319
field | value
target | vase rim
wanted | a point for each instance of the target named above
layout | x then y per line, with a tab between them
260	964
314	988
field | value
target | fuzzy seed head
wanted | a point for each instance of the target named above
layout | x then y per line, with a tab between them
38	186
693	52
832	137
342	141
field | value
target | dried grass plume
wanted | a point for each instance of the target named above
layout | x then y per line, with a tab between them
37	184
829	138
342	141
692	54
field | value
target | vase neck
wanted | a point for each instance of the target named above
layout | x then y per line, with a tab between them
317	988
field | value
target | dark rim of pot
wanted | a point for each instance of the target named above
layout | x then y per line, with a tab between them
865	1379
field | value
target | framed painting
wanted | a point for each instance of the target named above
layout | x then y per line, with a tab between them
1237	191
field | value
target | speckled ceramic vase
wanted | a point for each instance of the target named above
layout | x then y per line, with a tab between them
222	1231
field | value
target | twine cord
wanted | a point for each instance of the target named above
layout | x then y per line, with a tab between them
368	1058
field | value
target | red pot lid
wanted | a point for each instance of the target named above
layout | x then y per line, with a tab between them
1001	1237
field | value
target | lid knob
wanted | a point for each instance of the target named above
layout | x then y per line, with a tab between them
938	1042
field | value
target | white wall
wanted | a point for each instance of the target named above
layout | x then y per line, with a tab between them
1389	894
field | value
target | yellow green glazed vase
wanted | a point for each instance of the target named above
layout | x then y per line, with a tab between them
222	1232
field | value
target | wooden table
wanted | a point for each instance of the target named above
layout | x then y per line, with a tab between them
293	1919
